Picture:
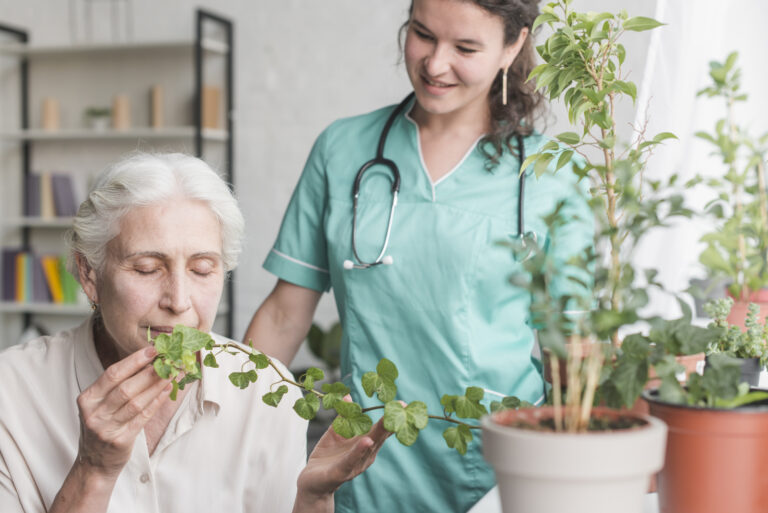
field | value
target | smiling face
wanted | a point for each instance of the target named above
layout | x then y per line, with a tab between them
453	52
163	268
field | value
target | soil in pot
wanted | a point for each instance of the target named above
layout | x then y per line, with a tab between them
716	460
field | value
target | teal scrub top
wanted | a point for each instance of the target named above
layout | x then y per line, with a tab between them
444	312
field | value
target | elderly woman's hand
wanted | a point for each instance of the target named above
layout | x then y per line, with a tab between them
114	410
334	461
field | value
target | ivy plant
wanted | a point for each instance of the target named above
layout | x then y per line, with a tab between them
177	356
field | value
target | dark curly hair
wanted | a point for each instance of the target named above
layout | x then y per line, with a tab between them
524	103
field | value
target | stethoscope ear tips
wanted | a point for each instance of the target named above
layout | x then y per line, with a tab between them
387	260
348	264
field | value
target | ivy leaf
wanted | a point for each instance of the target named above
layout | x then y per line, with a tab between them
273	398
509	403
382	381
192	340
641	23
313	374
465	406
189	378
405	422
240	379
334	392
162	343
351	420
307	406
259	359
161	368
210	361
458	437
189	363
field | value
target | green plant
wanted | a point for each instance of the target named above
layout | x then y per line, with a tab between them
326	345
719	386
738	247
582	66
177	355
752	343
97	112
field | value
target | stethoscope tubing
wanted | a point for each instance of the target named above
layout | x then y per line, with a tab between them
379	159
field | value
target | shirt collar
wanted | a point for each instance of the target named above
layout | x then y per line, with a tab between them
88	367
210	390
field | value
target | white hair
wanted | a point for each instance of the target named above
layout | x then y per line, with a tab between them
143	179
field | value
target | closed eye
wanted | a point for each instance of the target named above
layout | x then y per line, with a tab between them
423	35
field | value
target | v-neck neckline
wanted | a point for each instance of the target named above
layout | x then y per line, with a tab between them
424	169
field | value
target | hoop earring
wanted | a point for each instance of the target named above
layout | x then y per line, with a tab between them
504	86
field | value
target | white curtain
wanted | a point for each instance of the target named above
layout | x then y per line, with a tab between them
677	67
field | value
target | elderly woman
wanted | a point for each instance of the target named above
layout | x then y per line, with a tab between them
85	422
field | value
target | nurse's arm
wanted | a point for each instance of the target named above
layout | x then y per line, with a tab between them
282	322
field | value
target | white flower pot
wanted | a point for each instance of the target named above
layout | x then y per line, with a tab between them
595	472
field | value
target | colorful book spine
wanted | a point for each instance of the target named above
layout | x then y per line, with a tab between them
53	277
9	273
22	279
68	283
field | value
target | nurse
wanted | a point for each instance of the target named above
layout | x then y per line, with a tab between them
443	311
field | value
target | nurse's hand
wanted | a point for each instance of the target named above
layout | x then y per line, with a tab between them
334	461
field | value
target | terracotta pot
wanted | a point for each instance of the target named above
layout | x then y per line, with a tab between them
596	472
716	460
739	310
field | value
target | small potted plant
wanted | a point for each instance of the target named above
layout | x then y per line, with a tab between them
717	443
97	118
749	348
737	249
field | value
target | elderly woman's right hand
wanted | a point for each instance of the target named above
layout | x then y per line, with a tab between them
114	410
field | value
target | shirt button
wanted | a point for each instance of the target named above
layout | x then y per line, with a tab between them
144	478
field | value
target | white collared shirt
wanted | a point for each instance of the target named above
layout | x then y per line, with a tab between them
223	451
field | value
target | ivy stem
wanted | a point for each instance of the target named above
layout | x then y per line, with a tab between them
436	417
284	379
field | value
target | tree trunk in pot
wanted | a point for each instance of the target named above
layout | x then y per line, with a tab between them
596	472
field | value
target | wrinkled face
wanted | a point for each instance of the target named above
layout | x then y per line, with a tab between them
453	52
164	268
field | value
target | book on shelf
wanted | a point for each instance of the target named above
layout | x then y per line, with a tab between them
50	195
28	277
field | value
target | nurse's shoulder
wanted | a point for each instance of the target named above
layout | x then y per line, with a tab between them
356	130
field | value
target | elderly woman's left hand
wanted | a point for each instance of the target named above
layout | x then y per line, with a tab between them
334	461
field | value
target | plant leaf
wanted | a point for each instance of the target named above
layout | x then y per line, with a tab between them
273	398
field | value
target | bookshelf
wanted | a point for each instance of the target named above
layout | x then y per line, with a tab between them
86	75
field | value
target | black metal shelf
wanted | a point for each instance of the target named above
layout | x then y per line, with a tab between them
200	46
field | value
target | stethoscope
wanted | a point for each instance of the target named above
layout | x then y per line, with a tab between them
525	241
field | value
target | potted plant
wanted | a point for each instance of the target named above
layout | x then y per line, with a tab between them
97	118
737	249
573	457
716	450
749	348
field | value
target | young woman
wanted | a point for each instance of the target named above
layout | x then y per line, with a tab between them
436	299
